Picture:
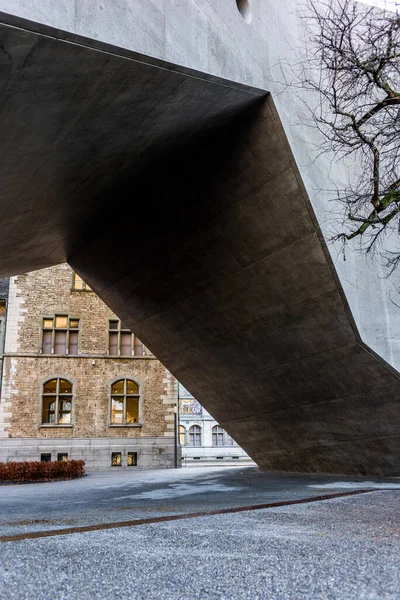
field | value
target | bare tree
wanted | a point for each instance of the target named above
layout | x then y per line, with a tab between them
353	64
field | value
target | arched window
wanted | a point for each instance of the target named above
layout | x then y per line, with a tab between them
230	441
182	435
195	435
57	402
217	436
125	399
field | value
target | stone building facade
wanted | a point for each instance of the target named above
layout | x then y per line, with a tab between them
4	283
76	383
202	439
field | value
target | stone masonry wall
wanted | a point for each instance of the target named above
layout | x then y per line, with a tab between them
48	292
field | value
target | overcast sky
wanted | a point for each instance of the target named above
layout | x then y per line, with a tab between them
389	4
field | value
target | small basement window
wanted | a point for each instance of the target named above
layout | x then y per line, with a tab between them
116	459
62	456
132	459
46	457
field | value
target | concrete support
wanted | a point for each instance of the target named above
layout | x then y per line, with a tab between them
175	195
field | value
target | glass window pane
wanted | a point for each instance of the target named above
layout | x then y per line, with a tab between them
117	411
50	387
78	283
47	323
60	340
63	456
73	342
46	344
118	387
116	459
126	344
74	323
182	436
65	404
48	410
131	387
113	344
138	347
195	435
132	410
65	419
132	459
114	324
61	322
65	387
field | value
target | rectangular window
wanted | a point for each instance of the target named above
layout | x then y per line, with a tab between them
78	283
132	459
117	411
121	341
60	335
46	457
132	410
62	456
1	335
116	459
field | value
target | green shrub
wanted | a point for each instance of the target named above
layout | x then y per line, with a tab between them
34	470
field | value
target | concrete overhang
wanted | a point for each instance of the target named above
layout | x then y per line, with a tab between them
175	195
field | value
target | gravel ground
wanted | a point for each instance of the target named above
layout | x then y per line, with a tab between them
341	549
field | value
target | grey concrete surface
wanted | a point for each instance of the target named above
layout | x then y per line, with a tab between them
96	452
342	549
110	497
176	196
211	36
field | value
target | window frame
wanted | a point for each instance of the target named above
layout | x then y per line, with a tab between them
200	433
183	433
3	317
85	287
118	331
220	433
53	329
2	328
57	394
139	396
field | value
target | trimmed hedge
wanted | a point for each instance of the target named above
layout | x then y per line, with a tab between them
41	471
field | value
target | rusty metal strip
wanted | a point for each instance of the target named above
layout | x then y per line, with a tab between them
223	511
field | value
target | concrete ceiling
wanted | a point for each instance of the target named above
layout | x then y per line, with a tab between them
176	197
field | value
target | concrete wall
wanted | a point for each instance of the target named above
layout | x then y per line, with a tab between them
213	37
152	453
237	292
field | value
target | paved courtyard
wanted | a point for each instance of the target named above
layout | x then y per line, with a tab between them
340	548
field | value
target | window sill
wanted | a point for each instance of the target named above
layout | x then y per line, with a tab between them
130	425
52	426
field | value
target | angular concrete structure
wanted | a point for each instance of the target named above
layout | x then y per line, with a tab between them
176	196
